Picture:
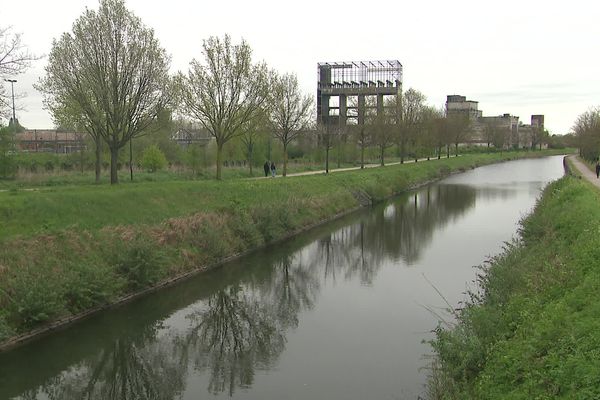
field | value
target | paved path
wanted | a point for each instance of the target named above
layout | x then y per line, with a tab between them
584	171
331	170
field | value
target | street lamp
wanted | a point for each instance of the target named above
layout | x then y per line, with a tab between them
12	88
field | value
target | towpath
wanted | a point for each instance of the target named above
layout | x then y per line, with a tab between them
584	171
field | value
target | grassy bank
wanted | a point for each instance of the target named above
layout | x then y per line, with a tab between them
67	250
532	330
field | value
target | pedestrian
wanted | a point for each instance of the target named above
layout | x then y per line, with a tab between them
266	167
597	169
273	169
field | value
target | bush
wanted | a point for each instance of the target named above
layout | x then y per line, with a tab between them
140	263
5	329
153	159
90	285
37	297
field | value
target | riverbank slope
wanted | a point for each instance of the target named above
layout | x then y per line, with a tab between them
64	253
530	331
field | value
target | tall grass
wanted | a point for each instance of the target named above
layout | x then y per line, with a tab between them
531	332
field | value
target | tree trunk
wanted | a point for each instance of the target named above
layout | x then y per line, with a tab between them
382	150
249	158
98	142
402	146
285	160
327	160
114	160
439	152
219	159
447	151
131	159
456	149
362	157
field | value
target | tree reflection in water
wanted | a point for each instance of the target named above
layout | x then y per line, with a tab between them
233	335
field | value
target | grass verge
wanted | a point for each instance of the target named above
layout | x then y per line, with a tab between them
531	331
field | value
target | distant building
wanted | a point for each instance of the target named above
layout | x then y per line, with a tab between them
185	137
517	134
459	105
50	141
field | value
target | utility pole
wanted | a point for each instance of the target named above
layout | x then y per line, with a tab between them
12	88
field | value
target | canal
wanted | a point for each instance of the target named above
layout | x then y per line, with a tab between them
340	312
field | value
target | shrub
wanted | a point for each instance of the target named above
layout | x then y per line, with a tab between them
141	263
153	159
37	297
89	285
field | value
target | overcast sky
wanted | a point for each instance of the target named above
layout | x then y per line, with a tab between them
518	57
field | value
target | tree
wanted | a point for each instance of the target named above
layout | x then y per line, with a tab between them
328	134
226	91
14	60
428	130
412	106
113	72
251	131
290	112
68	114
587	132
7	163
458	129
153	159
363	137
383	133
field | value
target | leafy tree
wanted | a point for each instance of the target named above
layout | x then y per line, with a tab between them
225	92
153	159
112	71
290	112
251	132
587	132
7	162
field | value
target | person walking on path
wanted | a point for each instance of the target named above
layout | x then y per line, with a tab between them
266	167
597	168
273	170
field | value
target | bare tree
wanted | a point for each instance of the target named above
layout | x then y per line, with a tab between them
226	91
383	133
328	134
113	70
14	60
363	137
458	129
291	112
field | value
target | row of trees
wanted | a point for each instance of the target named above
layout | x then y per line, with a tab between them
110	77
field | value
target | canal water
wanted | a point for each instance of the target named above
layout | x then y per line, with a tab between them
341	312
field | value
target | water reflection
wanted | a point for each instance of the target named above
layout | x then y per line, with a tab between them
223	327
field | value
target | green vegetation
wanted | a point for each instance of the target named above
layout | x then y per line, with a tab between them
153	159
66	250
531	332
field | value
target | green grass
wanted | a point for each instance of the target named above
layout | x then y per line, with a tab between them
64	250
532	330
